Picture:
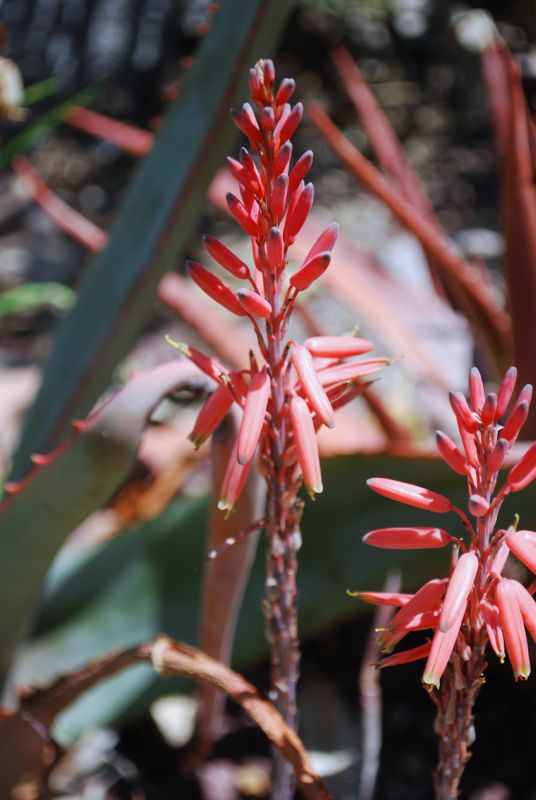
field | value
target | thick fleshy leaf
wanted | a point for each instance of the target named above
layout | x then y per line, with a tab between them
64	487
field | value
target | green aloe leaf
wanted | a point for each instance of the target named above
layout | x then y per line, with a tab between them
148	580
37	516
155	223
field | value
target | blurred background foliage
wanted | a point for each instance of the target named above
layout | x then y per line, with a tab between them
134	568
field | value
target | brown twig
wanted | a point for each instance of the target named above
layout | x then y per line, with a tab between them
174	658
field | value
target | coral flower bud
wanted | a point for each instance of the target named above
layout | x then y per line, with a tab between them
249	164
325	242
527	606
225	257
244	219
286	127
487	414
269	73
407	538
267	118
515	421
233	482
285	91
311	386
351	371
463	412
245	124
337	346
212	414
215	288
498	455
279	197
478	505
300	170
282	159
406	656
460	584
500	557
469	446
513	628
256	87
299	213
210	366
242	176
382	598
253	417
524	471
450	453
275	250
410	494
254	304
476	389
490	614
440	652
523	545
306	445
310	272
505	392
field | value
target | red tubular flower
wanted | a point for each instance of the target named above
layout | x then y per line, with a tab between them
311	386
212	414
524	471
527	606
440	653
215	288
410	494
407	538
233	482
460	585
337	346
406	656
450	453
505	392
463	412
254	303
225	257
513	628
306	445
309	272
476	390
523	545
253	418
383	598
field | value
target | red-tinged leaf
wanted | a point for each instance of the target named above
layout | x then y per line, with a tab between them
472	294
225	577
77	226
516	142
100	455
129	138
383	138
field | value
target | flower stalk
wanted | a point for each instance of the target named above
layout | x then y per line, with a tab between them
476	605
290	390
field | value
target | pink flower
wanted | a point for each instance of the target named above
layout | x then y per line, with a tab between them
513	628
410	494
407	538
460	585
212	414
440	653
253	417
308	379
306	445
523	545
337	346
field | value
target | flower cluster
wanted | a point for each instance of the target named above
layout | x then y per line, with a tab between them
476	605
290	389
